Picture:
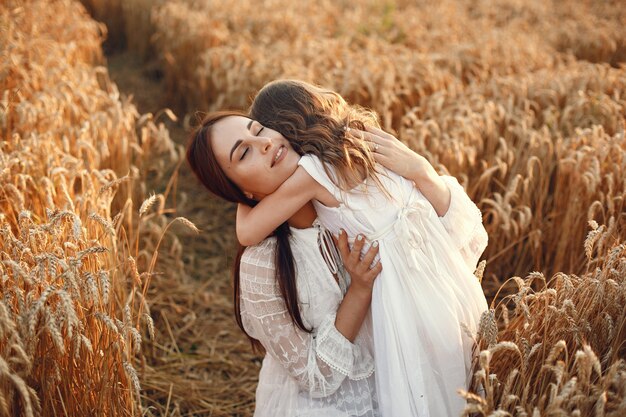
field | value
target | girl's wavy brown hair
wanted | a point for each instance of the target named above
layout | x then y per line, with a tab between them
314	121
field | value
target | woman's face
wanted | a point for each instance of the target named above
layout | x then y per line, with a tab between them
257	159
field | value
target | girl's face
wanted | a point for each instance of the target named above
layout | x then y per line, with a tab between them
257	159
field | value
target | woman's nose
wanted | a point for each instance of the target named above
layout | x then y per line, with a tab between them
266	144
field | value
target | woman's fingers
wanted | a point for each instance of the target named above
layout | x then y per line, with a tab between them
342	245
370	272
355	254
370	255
376	135
361	269
384	160
368	136
381	133
374	271
376	143
379	141
376	148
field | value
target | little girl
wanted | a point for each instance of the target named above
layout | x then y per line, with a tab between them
426	303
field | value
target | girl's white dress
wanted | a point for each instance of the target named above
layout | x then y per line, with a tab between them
426	303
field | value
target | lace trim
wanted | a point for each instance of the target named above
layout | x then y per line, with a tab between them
340	354
250	285
472	236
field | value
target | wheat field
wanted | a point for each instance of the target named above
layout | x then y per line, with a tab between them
114	303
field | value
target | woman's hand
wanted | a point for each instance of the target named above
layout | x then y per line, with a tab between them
399	158
356	302
361	271
394	155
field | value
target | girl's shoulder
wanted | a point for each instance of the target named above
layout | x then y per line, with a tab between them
313	163
323	173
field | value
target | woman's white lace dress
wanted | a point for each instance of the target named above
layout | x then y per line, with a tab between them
317	374
426	293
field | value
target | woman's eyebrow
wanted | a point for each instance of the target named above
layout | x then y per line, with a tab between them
238	142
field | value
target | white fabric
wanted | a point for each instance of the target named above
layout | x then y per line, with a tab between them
425	293
318	374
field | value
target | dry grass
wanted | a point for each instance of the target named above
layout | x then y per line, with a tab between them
561	349
73	159
490	92
129	24
523	101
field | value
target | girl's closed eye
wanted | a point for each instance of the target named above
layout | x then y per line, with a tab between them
260	130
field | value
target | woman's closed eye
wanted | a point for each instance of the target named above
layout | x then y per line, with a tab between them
243	155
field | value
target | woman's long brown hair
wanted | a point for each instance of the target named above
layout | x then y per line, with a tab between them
203	163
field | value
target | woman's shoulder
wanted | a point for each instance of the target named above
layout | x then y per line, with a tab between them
257	271
260	254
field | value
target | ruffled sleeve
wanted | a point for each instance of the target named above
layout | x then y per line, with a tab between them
464	224
318	361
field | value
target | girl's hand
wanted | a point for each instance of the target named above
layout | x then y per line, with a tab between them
361	271
395	155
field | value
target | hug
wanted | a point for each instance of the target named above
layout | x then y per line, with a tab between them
355	269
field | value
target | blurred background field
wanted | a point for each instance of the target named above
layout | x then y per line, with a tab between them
523	101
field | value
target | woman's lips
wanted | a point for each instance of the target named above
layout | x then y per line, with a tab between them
280	155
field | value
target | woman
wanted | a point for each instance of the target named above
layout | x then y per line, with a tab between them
237	163
287	300
426	304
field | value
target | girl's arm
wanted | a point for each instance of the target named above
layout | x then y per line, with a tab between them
256	223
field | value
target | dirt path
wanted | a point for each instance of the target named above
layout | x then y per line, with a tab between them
200	360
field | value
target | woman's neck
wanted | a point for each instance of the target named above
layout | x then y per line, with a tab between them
304	218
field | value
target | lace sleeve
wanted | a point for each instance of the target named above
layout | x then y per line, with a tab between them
463	222
318	361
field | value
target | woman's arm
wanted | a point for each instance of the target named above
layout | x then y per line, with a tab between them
431	185
464	223
356	302
318	361
399	158
256	223
459	215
